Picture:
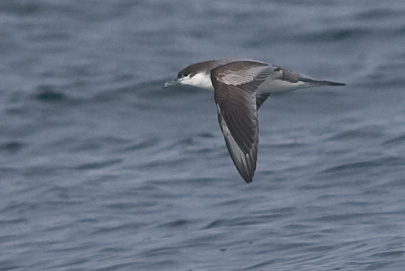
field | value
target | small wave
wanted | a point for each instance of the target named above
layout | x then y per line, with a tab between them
334	35
143	144
176	223
47	93
376	14
361	133
20	8
395	140
12	146
370	164
99	165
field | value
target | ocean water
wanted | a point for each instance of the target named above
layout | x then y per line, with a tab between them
101	169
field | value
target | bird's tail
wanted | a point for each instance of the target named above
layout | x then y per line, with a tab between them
315	82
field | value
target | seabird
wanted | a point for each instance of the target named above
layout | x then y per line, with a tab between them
240	88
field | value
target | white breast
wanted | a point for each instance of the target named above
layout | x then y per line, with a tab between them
201	80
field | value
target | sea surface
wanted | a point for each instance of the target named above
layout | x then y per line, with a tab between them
101	169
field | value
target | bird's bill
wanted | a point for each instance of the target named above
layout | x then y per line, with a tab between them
171	83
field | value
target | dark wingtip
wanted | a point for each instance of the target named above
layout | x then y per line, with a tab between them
248	181
247	178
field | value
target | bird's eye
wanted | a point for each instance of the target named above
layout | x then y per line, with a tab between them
185	74
277	69
182	75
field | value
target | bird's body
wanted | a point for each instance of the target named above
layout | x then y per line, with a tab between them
240	87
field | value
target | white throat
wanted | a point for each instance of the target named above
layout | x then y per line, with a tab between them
201	80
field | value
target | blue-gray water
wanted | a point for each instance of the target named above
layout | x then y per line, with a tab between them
101	169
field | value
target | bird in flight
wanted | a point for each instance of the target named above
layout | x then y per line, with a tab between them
240	88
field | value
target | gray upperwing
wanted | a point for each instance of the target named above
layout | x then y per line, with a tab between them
247	74
242	73
237	114
237	117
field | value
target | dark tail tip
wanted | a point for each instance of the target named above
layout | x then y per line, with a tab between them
329	83
320	82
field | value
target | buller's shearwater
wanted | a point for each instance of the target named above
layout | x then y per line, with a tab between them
240	88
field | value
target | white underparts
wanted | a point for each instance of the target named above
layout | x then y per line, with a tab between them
277	85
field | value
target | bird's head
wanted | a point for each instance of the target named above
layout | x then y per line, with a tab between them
197	75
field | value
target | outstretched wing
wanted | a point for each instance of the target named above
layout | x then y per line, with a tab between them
235	84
